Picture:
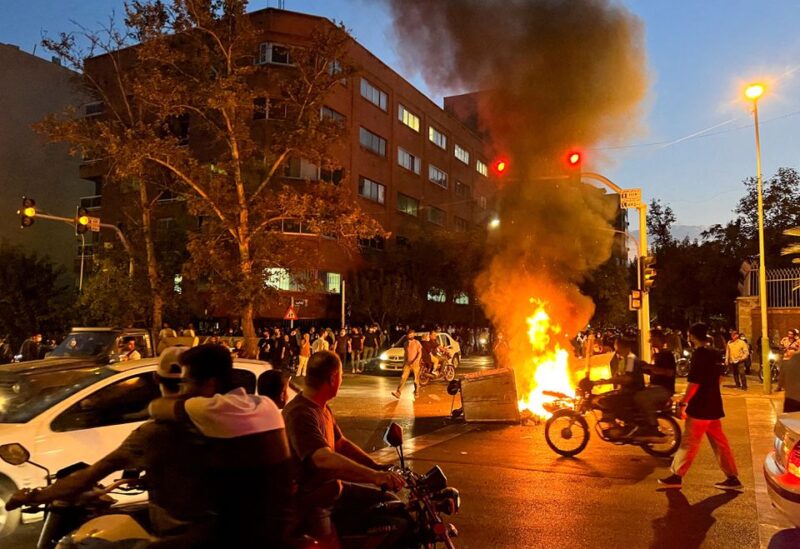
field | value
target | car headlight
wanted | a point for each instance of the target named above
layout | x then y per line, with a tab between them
384	356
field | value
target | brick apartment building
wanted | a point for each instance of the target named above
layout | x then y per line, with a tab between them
409	161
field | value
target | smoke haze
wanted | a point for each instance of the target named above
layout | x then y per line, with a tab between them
555	74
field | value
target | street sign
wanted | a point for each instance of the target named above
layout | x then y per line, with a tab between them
300	302
94	224
630	198
291	314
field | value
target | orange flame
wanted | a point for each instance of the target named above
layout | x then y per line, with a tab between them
550	363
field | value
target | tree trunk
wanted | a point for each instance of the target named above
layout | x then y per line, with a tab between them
249	329
152	263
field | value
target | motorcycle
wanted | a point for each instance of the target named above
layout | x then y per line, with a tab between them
447	370
69	524
567	431
682	362
774	368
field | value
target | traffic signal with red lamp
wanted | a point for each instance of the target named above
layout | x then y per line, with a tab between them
27	212
81	221
647	264
500	166
574	159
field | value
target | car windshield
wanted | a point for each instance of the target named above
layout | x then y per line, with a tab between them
84	344
24	396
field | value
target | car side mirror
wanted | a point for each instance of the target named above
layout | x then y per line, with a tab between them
14	453
394	435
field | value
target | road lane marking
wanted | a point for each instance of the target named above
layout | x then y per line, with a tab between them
422	442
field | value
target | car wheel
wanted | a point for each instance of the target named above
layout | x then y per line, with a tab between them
9	520
456	360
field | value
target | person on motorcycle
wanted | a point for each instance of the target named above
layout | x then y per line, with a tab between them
334	472
437	351
630	380
177	509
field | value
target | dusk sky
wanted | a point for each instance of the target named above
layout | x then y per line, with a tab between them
700	55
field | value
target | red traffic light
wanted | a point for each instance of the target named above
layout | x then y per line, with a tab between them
574	158
500	166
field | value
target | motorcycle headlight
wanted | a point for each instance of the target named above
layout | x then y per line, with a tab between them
773	356
448	501
685	352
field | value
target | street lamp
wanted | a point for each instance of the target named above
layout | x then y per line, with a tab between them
753	92
494	223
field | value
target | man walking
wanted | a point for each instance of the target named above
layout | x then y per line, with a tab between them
736	354
703	411
413	355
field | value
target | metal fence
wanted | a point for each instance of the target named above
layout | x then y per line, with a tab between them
783	287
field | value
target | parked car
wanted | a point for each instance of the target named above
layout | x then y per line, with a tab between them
391	360
66	414
96	345
782	467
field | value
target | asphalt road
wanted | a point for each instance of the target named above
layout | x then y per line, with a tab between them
517	493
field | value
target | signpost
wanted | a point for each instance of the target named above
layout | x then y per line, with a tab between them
94	224
635	300
630	198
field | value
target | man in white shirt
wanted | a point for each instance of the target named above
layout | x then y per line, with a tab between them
736	353
320	344
412	362
129	352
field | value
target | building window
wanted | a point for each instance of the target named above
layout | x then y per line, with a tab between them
333	283
482	202
93	109
327	113
407	205
462	154
408	118
460	224
374	95
437	138
372	142
273	53
260	108
437	295
409	161
165	229
297	168
437	216
462	189
371	190
278	278
331	175
482	168
277	109
437	176
375	243
461	299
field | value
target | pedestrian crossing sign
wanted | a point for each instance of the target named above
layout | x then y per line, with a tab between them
291	314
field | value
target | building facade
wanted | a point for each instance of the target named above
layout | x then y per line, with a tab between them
33	88
409	162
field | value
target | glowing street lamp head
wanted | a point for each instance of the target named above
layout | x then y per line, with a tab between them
500	166
754	91
494	223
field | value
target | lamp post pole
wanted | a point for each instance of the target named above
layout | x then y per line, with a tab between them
753	92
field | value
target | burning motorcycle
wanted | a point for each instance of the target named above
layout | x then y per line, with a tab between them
567	431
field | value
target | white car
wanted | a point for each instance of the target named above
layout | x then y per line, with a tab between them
64	415
391	360
782	467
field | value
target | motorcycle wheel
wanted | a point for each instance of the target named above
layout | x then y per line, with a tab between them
682	368
566	433
423	380
449	373
670	445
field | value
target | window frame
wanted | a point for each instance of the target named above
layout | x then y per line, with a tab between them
438	182
366	89
433	133
464	157
416	161
413	200
401	110
382	142
440	213
380	189
481	167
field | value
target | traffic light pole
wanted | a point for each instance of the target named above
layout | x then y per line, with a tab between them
122	239
644	312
